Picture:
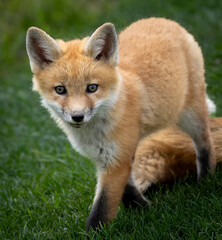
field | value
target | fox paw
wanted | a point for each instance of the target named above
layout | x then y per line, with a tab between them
133	198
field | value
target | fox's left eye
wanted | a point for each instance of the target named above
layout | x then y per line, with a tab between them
60	90
91	88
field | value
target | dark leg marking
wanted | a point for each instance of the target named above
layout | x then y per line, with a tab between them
99	212
133	198
203	163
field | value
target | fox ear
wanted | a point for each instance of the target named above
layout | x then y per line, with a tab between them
103	44
41	48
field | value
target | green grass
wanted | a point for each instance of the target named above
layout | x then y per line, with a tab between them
46	188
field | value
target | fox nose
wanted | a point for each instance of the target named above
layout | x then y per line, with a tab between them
77	118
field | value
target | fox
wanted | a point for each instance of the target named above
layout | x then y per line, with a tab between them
169	155
109	91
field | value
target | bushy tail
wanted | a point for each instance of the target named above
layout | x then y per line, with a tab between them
169	154
216	131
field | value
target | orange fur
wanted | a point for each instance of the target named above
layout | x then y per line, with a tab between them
114	180
169	155
152	79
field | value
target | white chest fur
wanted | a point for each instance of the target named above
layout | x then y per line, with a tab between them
93	141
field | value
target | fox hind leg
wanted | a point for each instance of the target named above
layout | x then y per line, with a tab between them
132	197
197	127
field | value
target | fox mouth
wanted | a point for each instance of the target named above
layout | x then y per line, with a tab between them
76	125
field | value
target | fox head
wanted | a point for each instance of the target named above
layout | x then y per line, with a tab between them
77	80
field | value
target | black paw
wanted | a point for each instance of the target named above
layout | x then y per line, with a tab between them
99	214
203	164
94	223
133	198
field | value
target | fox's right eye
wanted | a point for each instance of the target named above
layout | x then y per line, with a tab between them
60	90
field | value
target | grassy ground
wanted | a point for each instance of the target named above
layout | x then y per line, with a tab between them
46	188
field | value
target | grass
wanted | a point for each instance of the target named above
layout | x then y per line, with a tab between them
46	188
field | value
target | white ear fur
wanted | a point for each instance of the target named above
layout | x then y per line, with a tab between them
41	48
103	44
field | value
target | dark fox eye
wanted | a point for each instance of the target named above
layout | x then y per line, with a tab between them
91	88
60	90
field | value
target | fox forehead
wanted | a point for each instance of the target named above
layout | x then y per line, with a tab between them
74	69
72	66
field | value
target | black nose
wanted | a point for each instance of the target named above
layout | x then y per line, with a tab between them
77	118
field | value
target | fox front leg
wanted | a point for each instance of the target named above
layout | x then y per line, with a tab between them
114	184
110	188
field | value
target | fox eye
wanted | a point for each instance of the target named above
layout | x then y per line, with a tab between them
91	88
60	90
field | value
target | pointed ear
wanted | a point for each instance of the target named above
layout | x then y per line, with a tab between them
103	44
41	48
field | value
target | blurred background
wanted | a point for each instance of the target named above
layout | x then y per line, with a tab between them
36	161
70	19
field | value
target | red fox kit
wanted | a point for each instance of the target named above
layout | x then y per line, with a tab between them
169	154
108	93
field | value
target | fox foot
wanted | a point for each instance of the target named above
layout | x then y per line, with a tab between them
133	198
